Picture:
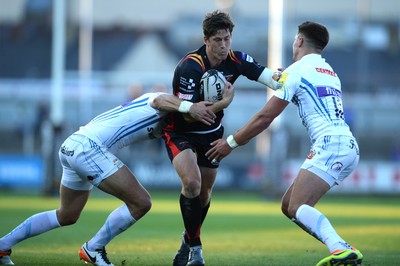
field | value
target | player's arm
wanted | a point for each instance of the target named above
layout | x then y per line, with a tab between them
227	98
270	78
251	69
258	123
198	111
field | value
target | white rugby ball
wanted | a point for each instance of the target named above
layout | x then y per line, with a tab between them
212	85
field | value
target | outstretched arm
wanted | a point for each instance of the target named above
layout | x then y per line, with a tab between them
258	123
270	78
198	111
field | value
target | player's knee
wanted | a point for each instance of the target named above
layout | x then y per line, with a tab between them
288	210
140	207
192	188
285	210
291	211
146	205
67	219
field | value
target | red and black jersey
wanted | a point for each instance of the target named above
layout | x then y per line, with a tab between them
186	83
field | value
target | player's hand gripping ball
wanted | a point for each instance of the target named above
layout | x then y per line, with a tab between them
212	85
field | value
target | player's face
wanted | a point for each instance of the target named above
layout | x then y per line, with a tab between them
218	45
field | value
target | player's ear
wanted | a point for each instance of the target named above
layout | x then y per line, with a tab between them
205	40
300	40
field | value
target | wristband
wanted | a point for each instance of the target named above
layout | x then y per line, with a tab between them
231	142
184	107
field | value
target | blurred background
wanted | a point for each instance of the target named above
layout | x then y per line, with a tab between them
63	62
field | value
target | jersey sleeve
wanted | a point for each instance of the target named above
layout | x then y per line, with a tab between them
287	86
250	68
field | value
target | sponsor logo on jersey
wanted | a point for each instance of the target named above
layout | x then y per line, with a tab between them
150	133
324	91
249	59
229	77
187	85
325	71
311	155
66	151
337	166
281	82
185	96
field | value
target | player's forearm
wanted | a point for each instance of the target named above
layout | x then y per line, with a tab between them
226	99
252	128
267	78
219	106
170	103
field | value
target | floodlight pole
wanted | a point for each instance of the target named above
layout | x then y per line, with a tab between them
58	62
270	142
85	58
53	129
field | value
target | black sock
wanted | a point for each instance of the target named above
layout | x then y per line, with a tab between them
204	212
191	214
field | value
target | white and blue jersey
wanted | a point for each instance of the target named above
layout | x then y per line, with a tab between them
313	86
126	124
88	156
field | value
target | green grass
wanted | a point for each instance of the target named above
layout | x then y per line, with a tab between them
241	229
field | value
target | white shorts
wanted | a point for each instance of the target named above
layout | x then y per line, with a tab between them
333	158
85	163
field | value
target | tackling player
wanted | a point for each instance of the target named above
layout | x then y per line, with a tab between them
312	85
88	159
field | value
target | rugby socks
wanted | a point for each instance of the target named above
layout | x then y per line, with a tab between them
33	226
191	214
316	224
117	222
204	212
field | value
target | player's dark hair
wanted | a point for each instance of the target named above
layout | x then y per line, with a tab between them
215	21
316	34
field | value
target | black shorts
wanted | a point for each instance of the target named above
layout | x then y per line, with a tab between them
199	143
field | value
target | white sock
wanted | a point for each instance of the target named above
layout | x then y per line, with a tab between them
117	222
33	226
317	224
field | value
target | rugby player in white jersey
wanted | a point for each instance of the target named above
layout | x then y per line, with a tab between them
88	159
312	85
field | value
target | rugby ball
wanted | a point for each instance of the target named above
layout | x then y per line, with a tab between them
212	85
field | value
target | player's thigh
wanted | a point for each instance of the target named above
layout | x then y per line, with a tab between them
185	164
72	203
124	185
307	188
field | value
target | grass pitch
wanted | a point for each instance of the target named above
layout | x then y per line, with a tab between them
241	229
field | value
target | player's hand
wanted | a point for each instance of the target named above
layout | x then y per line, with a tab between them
227	96
277	74
220	149
200	112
